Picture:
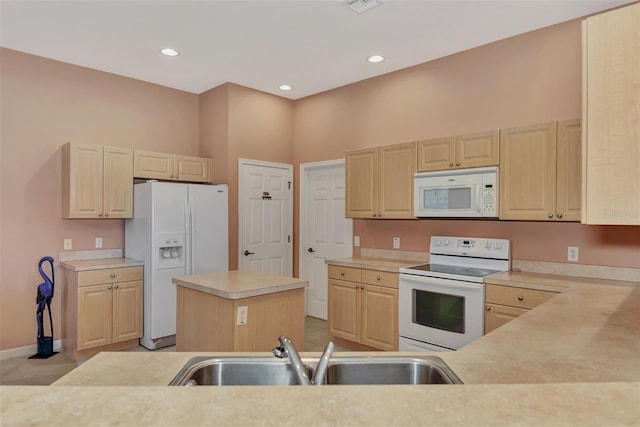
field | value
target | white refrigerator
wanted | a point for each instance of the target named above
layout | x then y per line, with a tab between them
177	230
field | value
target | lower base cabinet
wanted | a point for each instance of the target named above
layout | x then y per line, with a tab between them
505	303
363	306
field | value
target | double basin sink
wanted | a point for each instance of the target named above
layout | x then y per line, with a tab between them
240	370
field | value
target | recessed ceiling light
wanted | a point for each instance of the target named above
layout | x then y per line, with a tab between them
375	58
286	87
170	52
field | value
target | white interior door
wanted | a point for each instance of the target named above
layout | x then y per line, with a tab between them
266	217
324	230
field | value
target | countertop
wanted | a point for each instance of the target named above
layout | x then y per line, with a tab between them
574	360
239	284
381	264
100	264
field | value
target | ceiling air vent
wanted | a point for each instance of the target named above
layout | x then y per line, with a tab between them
361	6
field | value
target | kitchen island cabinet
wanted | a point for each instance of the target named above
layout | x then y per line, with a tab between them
238	311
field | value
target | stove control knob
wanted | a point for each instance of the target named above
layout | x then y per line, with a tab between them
438	242
445	242
497	245
487	244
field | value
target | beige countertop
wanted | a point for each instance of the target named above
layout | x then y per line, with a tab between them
381	264
100	264
239	284
574	360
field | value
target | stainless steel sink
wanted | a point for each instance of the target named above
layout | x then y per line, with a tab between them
390	370
236	371
240	370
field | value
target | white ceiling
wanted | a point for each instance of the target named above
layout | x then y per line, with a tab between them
312	45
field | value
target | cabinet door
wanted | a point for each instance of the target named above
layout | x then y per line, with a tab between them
528	172
611	66
436	154
478	149
94	316
148	164
497	315
396	169
379	317
127	311
118	182
569	171
192	169
361	198
82	181
343	309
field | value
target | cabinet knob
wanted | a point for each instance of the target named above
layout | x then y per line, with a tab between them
109	287
377	277
520	298
488	308
100	214
107	214
457	163
559	216
113	276
176	176
361	286
115	286
451	165
357	286
171	176
550	215
342	273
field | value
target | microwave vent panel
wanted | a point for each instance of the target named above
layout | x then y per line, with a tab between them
361	6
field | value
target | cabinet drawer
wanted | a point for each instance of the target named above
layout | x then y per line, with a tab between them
344	273
516	297
380	278
109	275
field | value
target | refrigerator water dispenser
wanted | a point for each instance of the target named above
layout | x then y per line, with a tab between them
169	250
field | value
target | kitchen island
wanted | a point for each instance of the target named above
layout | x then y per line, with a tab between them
574	360
238	311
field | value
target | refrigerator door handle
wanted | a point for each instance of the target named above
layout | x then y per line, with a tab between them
188	237
192	240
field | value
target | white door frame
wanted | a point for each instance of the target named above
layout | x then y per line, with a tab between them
305	169
241	163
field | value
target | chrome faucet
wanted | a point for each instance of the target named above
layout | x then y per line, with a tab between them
285	348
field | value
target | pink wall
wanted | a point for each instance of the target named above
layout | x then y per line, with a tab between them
45	104
527	79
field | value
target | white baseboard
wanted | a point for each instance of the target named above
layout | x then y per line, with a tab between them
27	350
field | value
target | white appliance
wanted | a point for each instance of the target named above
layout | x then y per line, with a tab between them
442	303
177	230
458	193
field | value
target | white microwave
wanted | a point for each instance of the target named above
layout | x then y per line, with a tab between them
459	193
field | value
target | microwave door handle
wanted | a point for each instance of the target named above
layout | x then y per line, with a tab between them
478	200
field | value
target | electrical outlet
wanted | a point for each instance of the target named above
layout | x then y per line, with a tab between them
98	242
68	244
356	240
243	313
573	253
396	243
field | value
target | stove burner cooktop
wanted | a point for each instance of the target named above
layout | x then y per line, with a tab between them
455	270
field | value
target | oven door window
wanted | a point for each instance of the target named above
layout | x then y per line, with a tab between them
452	198
438	310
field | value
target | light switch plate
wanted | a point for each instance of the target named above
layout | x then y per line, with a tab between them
356	240
396	243
243	313
98	242
68	244
573	253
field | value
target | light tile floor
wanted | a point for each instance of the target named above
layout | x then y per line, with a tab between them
25	371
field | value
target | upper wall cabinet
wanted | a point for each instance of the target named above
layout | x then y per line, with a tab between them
611	111
97	181
540	172
379	182
462	151
172	167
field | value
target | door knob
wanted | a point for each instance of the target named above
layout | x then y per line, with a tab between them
247	253
310	250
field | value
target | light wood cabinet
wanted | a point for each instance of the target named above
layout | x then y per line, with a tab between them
379	182
540	172
103	309
611	138
363	306
97	181
505	303
171	167
462	151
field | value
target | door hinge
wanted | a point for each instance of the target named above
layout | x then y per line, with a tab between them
288	239
289	185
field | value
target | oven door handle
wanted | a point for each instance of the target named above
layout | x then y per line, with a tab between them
436	281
